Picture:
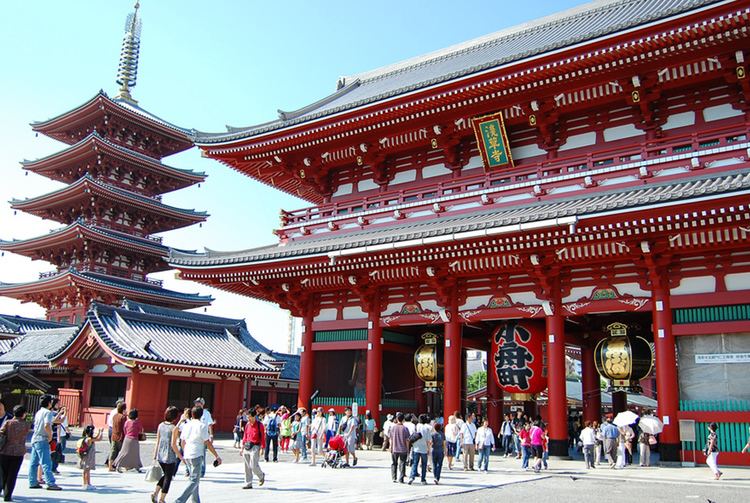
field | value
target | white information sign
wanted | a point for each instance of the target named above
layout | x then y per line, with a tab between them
723	358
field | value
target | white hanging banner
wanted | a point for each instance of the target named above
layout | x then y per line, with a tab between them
723	358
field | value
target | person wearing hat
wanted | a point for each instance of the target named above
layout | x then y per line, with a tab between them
386	431
332	424
348	429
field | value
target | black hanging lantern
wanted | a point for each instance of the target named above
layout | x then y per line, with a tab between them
623	360
428	362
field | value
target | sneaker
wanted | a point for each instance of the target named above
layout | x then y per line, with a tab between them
54	487
247	486
437	481
411	481
424	482
395	481
354	463
35	487
262	480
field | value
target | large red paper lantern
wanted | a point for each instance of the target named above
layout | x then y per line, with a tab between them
517	359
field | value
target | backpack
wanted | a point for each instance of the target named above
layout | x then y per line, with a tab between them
272	430
82	447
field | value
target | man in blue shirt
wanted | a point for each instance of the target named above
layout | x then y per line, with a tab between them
610	434
40	451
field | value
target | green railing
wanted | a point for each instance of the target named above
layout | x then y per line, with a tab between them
738	312
356	334
732	437
338	401
715	405
402	405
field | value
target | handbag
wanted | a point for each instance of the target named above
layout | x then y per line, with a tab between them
141	438
414	437
154	473
651	440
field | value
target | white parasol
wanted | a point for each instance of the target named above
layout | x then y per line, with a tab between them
651	425
625	418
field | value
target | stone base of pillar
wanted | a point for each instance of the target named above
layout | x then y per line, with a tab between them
558	448
669	452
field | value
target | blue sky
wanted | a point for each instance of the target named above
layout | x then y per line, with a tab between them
204	65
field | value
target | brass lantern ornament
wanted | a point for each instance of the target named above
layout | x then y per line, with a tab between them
428	362
623	360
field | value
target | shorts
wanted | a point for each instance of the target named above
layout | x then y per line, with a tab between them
451	449
537	451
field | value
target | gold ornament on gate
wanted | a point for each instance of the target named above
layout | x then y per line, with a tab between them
623	360
427	362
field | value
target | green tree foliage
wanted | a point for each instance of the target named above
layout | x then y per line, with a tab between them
477	381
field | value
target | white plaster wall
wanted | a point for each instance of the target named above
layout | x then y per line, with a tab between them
404	177
392	308
720	112
343	190
474	302
366	184
738	281
527	298
474	163
465	206
514	197
701	284
566	188
619	179
679	120
326	315
633	289
435	170
621	132
121	369
578	292
579	140
99	368
525	151
430	305
354	313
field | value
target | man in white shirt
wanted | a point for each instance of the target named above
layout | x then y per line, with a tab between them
468	434
209	422
40	451
485	443
195	439
348	428
387	425
419	449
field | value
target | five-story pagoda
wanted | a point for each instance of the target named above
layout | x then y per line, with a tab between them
111	204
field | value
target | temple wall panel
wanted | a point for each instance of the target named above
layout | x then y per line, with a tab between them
737	281
621	132
719	112
633	289
700	284
474	302
366	184
326	315
474	163
435	170
679	120
354	313
404	177
578	293
579	140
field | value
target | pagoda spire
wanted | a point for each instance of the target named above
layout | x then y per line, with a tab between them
127	70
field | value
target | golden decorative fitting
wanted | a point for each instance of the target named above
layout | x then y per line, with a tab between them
636	95
302	173
360	161
740	72
433	143
532	120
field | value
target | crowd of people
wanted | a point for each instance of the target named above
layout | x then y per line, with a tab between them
418	444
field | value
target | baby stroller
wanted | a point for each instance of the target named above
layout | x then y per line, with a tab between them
336	452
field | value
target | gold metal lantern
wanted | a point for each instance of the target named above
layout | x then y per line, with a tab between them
623	360
428	362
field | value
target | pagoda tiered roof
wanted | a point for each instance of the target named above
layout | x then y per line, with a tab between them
102	113
76	236
161	338
66	205
72	283
85	156
584	23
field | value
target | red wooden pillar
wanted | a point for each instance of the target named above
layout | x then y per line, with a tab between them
452	370
494	401
131	393
667	386
557	404
619	402
374	375
591	390
306	364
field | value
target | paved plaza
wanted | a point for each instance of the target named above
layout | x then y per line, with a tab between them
370	481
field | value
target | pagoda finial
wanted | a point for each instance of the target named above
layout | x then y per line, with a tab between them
127	71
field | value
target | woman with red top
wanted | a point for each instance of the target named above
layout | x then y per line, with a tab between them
525	436
536	435
253	441
130	454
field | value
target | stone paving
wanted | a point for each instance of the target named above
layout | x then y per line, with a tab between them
368	481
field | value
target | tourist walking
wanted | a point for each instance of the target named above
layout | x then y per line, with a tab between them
451	439
622	459
610	434
195	439
56	450
239	426
525	437
116	434
387	424
420	447
304	431
110	417
588	438
285	430
399	445
87	454
318	435
460	423
599	447
130	454
332	425
536	435
349	426
505	435
253	441
271	424
165	454
467	435
485	443
40	448
712	451
296	437
438	451
644	449
519	424
14	430
370	429
208	420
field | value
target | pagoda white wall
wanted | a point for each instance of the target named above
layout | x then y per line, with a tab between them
737	281
700	284
353	313
719	112
679	120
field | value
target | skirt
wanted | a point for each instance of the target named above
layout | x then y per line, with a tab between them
130	455
88	462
